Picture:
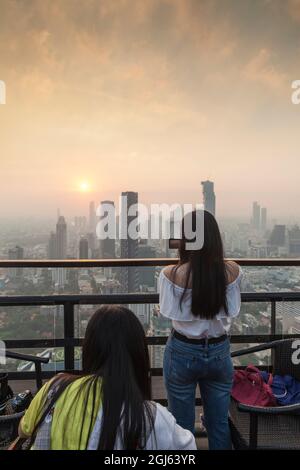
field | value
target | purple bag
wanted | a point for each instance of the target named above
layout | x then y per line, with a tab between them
285	388
249	388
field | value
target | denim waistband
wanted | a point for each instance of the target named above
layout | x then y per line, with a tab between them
178	344
199	341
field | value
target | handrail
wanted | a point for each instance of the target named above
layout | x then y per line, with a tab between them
36	360
135	298
260	347
26	357
135	262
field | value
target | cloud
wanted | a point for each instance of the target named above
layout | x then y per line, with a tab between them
294	9
261	69
91	82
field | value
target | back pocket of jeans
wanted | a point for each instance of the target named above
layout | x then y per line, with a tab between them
182	367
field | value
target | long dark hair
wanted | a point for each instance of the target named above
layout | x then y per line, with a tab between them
206	267
115	349
115	356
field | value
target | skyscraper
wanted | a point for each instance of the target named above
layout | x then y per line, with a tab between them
83	248
52	246
108	245
209	197
61	238
294	241
263	218
91	238
59	274
278	236
92	217
129	246
256	216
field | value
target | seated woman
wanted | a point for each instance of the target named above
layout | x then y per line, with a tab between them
109	406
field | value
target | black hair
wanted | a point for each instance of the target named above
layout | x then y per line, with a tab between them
206	267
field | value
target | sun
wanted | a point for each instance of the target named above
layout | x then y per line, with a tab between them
84	187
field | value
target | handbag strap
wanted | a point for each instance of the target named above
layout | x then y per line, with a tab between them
56	389
18	444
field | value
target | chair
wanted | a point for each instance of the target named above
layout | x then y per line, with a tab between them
9	423
255	427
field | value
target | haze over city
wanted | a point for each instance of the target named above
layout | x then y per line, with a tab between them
120	121
150	96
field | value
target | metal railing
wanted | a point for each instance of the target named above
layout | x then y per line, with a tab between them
68	302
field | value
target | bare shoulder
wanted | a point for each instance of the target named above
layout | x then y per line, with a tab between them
168	271
233	270
179	275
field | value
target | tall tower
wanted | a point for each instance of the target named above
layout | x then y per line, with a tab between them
209	197
58	249
108	245
52	246
256	215
61	238
83	248
263	218
92	217
129	247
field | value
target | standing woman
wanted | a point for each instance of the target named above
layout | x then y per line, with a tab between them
201	295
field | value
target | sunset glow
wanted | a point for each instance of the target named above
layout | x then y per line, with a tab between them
109	101
84	187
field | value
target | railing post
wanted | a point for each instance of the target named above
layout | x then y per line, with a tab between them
253	431
69	335
38	371
273	327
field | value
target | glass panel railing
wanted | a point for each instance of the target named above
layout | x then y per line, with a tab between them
288	314
254	319
37	327
261	358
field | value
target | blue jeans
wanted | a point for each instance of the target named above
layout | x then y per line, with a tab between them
209	366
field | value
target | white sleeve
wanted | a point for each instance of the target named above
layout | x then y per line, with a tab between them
234	296
169	300
168	435
164	297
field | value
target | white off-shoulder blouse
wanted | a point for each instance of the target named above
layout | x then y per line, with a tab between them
182	318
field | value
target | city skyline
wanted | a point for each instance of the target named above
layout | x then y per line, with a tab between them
155	96
121	122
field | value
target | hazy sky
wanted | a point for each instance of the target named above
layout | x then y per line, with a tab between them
152	96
